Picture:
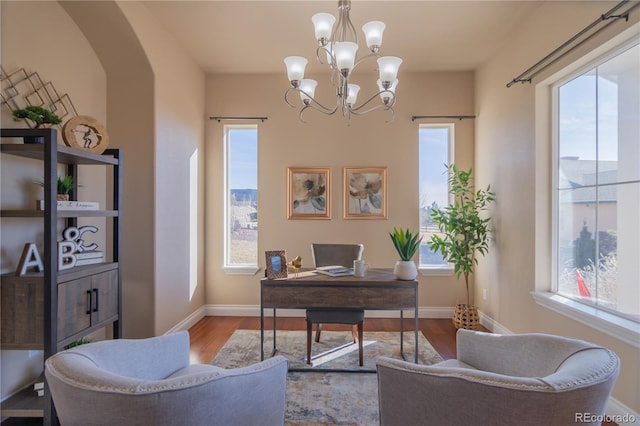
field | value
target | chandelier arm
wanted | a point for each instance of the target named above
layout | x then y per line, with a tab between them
370	55
325	111
385	108
313	103
327	53
373	108
286	96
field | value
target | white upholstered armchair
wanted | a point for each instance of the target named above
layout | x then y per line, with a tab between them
150	382
524	379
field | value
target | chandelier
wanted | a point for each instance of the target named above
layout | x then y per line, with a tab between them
339	46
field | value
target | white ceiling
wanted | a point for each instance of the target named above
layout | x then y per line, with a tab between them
255	36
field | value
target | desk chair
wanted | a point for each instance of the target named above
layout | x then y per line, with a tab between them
327	255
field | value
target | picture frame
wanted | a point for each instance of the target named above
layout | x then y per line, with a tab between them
308	193
276	264
365	193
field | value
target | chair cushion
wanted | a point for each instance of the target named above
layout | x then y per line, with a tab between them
335	316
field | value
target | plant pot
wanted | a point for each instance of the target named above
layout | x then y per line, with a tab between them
466	316
62	197
405	270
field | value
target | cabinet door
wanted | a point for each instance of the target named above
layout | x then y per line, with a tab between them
105	288
73	304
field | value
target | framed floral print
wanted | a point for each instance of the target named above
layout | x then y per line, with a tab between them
308	193
365	193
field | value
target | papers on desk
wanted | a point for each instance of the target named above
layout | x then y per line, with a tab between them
335	270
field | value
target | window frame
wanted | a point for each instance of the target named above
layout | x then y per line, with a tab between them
233	269
448	269
544	294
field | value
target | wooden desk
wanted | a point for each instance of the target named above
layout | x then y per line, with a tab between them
378	290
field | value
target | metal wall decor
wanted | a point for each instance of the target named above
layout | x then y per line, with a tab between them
20	89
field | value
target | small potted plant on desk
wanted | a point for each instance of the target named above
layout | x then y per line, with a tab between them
463	234
39	116
406	244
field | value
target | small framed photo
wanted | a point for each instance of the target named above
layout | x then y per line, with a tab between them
365	193
308	193
276	264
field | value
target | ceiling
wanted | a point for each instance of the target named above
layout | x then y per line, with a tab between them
255	36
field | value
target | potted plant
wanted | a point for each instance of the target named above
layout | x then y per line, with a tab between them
65	186
463	234
39	116
406	244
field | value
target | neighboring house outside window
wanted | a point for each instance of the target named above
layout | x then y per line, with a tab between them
596	186
241	198
435	148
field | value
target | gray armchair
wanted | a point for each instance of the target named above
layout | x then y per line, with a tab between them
150	382
525	379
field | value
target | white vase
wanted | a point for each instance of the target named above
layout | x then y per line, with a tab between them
405	270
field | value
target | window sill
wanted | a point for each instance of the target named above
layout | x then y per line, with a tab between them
436	271
620	328
241	270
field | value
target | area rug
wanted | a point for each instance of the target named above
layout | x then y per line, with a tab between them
326	398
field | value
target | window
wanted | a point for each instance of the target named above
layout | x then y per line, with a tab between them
241	198
435	147
596	185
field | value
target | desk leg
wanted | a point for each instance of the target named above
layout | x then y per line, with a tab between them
417	324
402	333
261	333
273	352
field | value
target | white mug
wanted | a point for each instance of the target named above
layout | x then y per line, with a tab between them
359	268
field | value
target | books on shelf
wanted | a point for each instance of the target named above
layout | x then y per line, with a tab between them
80	262
89	254
335	270
72	205
38	387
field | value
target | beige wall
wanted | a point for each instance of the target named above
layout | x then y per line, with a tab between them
22	47
178	183
284	141
139	82
507	157
149	93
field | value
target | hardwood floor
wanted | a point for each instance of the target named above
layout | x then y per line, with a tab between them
209	335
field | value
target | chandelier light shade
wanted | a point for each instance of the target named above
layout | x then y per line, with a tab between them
339	45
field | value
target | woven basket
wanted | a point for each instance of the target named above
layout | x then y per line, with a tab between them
466	316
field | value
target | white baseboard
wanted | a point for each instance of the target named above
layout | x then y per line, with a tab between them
189	321
492	325
254	311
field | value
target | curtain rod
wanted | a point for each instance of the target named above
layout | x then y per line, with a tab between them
457	117
555	54
219	119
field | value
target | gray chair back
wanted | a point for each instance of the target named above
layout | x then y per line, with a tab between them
336	254
151	382
525	380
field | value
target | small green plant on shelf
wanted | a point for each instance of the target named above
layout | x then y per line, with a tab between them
38	115
65	186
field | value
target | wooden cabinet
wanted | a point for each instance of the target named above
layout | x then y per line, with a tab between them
50	309
86	302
